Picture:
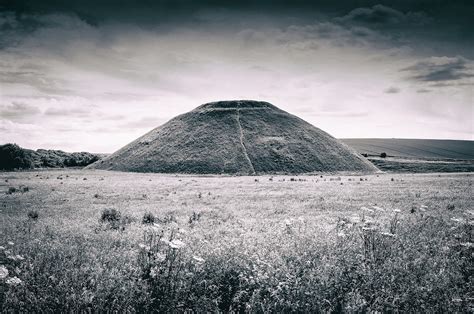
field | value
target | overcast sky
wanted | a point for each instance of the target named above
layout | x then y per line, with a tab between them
90	75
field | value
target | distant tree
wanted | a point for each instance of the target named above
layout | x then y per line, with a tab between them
383	155
365	155
13	157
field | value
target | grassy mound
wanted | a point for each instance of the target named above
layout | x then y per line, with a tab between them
236	137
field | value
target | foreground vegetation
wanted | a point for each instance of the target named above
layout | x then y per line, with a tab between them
92	240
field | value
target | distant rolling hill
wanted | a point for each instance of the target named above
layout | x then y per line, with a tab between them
413	148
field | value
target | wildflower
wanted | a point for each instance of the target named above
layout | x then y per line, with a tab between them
198	259
10	243
368	229
396	210
144	247
155	226
467	244
176	244
165	241
460	220
160	257
14	281
287	222
154	272
3	272
378	208
19	257
182	231
341	234
387	234
355	219
2	248
367	209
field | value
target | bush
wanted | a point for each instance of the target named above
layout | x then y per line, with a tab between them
110	215
114	219
148	218
14	157
33	214
11	190
383	155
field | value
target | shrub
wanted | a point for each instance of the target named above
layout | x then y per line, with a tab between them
33	214
13	157
194	218
148	218
11	190
109	215
383	155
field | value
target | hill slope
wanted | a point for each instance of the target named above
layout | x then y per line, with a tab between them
236	137
414	148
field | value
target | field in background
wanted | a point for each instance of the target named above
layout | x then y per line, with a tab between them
417	155
330	243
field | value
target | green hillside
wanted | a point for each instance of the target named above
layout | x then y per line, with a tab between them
414	148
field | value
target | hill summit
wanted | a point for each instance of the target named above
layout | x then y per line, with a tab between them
236	137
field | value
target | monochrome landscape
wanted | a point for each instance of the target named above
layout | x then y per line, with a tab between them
245	156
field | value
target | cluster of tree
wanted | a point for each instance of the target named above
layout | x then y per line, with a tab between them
14	157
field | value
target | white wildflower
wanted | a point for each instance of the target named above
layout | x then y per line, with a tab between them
160	257
182	231
387	234
10	243
19	257
396	210
460	220
341	234
165	241
3	272
367	209
287	222
2	248
176	244
467	244
368	229
198	259
355	219
154	272
144	247
378	208
14	281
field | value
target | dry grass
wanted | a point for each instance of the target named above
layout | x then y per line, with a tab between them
236	244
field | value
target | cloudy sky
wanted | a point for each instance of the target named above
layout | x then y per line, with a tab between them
90	75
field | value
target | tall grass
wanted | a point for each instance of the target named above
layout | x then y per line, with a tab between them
378	260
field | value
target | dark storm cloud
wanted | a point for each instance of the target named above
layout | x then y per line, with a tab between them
380	14
440	70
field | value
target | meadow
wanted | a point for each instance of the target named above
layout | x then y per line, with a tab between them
91	240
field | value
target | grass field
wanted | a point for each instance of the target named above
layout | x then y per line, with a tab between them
414	148
75	240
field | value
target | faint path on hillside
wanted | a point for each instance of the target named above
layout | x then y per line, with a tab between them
242	142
